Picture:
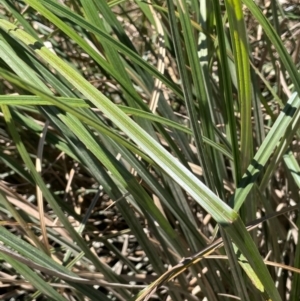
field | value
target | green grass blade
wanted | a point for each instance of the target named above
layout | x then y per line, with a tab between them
241	58
229	105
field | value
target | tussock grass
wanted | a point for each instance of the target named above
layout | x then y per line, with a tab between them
149	150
